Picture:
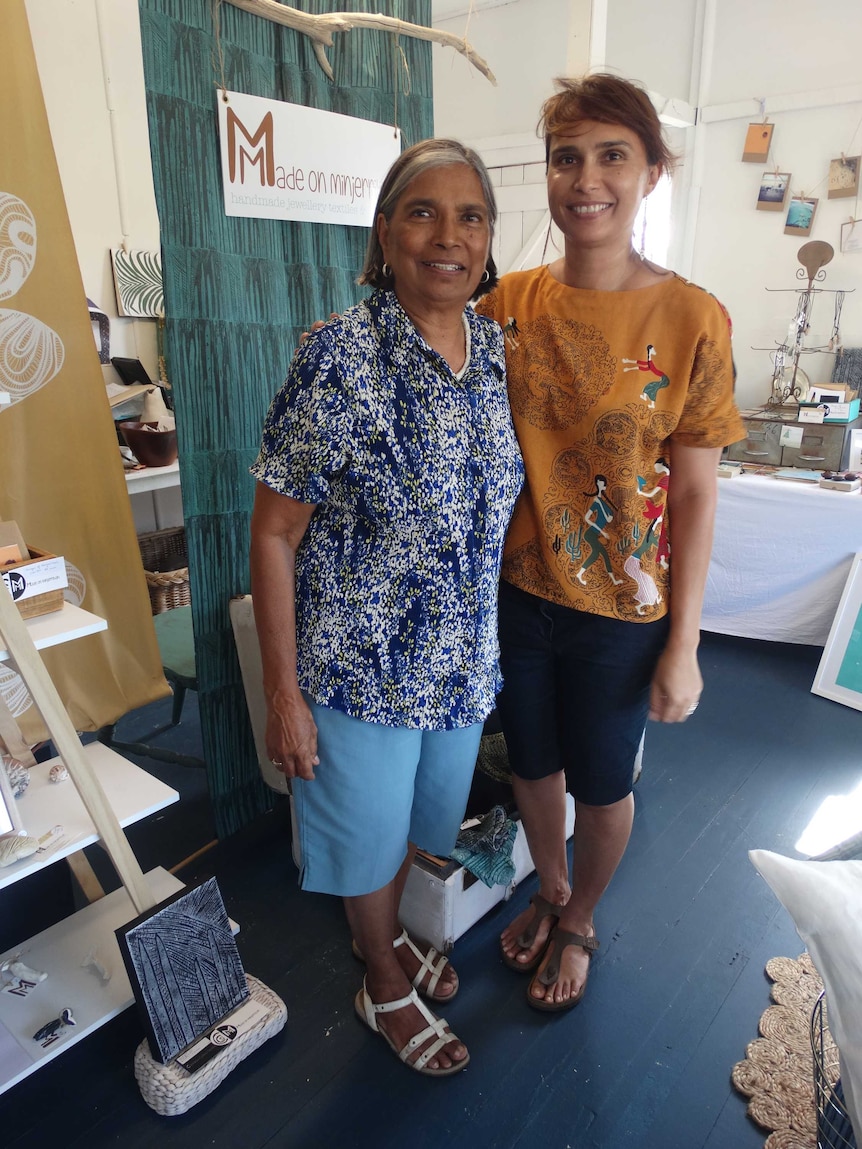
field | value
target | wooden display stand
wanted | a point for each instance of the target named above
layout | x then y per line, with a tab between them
80	955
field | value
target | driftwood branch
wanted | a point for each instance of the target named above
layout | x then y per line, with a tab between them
321	28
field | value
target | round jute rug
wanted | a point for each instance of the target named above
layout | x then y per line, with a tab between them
777	1074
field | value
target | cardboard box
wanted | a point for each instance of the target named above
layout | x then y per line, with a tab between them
829	412
35	582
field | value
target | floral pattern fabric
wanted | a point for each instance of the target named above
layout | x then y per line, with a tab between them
600	384
414	473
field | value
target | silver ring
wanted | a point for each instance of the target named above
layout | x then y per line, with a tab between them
691	710
276	762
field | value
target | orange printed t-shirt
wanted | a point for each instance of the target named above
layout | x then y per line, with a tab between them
599	383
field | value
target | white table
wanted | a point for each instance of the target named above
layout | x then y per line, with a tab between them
781	556
160	503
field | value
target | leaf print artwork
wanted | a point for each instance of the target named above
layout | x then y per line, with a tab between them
138	280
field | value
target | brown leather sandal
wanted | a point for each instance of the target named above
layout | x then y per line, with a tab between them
557	942
543	909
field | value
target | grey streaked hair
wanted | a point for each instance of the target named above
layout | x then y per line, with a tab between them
411	164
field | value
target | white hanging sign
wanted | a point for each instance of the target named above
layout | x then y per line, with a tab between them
286	161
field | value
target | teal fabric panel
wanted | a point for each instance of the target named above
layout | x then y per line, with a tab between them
238	293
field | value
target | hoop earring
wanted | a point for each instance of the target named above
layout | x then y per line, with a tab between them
486	275
386	271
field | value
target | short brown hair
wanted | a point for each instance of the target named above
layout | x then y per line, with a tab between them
412	163
609	100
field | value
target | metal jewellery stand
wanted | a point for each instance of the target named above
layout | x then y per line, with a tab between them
789	381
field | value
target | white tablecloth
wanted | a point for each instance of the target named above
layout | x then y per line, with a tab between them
781	556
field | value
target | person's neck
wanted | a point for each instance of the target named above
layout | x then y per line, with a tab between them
442	328
598	269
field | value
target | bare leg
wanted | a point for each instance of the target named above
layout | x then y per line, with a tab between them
601	836
373	920
542	806
448	982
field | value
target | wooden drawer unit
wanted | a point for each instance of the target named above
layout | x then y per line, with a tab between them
824	446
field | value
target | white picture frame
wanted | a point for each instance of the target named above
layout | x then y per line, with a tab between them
839	674
827	394
10	819
854	462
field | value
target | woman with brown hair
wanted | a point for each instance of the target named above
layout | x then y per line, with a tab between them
591	649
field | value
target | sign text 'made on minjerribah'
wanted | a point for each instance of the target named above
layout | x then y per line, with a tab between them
286	161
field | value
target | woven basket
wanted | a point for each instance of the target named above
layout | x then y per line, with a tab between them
170	1090
166	567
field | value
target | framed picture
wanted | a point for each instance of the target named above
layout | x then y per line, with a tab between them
138	282
851	237
800	216
773	191
827	394
184	967
843	177
839	675
757	141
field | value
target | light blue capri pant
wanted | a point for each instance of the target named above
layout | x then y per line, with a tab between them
376	789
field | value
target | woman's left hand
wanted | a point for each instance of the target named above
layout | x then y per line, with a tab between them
676	686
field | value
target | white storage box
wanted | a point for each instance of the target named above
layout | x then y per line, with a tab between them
440	904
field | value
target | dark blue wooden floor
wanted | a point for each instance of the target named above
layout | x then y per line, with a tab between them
674	996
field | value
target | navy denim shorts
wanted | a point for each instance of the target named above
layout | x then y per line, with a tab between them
576	693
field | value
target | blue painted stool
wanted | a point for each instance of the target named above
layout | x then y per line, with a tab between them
177	649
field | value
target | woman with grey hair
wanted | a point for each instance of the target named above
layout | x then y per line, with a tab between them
387	474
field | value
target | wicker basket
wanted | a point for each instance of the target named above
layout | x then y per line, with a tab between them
171	1091
166	567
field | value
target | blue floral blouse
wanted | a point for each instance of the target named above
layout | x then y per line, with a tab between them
415	472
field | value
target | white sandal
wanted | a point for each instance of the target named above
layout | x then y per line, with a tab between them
367	1010
431	963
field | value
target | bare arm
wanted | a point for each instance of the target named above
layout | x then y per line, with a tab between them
278	525
692	497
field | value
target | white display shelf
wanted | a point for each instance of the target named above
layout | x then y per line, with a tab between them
60	626
66	952
132	793
153	478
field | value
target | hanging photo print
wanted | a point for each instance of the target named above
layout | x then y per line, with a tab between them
843	177
757	141
800	216
773	191
851	237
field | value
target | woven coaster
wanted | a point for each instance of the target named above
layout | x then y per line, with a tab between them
777	1074
170	1090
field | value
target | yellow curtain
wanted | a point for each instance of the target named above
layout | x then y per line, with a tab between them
61	478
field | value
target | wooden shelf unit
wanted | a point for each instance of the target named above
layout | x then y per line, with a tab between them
103	793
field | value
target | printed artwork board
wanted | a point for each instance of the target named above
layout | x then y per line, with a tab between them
184	967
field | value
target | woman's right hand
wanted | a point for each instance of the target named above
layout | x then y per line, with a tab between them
291	737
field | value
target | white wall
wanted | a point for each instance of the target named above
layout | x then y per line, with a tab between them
88	53
723	56
786	54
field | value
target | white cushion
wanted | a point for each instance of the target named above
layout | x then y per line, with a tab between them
825	901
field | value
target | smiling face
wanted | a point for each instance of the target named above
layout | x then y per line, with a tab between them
437	240
598	175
